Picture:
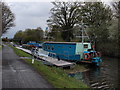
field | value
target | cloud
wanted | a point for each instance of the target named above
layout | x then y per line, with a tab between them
33	9
29	15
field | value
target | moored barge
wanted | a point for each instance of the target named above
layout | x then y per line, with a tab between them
73	51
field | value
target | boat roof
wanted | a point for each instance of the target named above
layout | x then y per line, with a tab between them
50	42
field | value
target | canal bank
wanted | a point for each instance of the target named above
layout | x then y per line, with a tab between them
56	76
105	77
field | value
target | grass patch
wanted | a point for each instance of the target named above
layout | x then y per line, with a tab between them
55	76
20	52
0	47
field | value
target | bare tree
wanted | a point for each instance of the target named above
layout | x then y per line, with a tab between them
65	15
7	17
116	8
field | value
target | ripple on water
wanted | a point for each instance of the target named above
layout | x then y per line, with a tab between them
105	77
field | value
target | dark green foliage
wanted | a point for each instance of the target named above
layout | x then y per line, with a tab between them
54	33
116	10
113	31
29	35
111	46
97	17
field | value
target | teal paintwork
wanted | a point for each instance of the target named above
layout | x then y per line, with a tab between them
80	48
70	51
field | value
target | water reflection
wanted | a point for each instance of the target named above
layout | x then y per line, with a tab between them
104	77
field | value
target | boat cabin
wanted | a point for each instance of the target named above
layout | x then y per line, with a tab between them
66	50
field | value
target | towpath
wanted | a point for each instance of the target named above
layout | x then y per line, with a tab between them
17	74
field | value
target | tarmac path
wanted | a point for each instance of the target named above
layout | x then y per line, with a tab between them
17	74
0	69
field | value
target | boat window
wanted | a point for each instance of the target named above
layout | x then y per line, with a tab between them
69	47
85	45
44	46
49	47
52	47
58	46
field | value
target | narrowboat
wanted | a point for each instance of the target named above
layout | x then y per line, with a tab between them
34	44
72	51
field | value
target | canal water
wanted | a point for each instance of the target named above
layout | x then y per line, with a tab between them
104	77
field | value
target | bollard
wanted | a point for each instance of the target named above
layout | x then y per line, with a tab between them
33	61
32	51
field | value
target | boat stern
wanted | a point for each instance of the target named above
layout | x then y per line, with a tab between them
97	61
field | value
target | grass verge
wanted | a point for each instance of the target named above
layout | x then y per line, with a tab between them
56	76
20	52
0	47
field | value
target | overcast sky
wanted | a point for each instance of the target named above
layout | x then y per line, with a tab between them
29	15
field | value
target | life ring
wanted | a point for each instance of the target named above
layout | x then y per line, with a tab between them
87	56
98	54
